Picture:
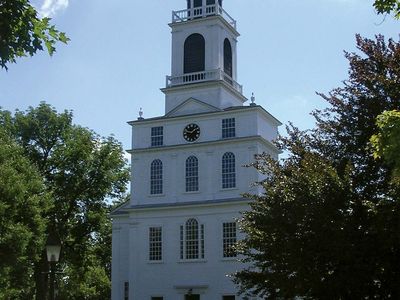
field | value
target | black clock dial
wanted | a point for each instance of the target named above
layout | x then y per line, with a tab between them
191	132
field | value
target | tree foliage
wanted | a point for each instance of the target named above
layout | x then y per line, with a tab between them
328	223
84	173
388	7
386	143
23	32
23	200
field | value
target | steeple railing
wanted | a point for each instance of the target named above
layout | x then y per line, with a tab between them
203	76
202	12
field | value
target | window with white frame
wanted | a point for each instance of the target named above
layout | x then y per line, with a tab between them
192	240
157	136
156	177
228	128
192	174
228	171
229	239
155	243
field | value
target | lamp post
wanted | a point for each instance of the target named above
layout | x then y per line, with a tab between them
53	248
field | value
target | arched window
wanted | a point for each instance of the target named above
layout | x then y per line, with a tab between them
228	58
192	240
192	174
156	177
198	3
211	2
228	170
194	54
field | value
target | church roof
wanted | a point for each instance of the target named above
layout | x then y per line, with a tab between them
126	207
228	109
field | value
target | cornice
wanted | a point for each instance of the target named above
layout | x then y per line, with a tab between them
229	110
176	205
208	19
258	138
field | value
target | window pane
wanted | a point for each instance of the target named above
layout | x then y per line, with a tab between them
228	58
228	171
198	3
192	174
157	136
228	128
228	297
192	239
229	239
155	243
156	177
194	53
182	243
126	290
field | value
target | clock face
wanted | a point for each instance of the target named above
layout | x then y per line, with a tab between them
191	132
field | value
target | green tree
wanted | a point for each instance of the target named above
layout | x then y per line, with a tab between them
84	173
388	7
23	200
386	143
23	32
328	224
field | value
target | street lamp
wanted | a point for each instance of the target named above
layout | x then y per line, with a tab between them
53	248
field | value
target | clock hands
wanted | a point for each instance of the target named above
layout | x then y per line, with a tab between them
187	131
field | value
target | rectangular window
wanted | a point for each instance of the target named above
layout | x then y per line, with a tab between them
157	298
157	136
228	128
126	290
155	243
182	242
230	297
229	239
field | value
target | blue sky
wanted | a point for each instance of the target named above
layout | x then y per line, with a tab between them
119	55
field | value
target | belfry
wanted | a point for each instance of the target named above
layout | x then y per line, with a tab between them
174	239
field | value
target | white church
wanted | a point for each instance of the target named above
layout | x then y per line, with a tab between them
173	239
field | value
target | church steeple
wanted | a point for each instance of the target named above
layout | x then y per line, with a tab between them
204	39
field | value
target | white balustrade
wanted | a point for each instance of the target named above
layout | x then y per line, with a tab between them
197	77
202	12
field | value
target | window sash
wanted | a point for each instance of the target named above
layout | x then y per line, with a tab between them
156	177
229	238
228	171
155	243
126	290
228	128
157	136
192	174
192	240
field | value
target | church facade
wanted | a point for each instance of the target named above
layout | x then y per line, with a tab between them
173	240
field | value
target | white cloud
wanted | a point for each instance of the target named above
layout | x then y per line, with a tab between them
50	7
